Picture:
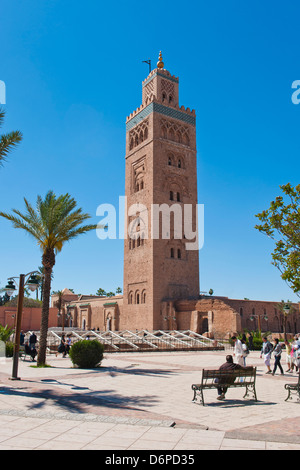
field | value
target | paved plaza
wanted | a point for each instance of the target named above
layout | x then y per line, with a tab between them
142	401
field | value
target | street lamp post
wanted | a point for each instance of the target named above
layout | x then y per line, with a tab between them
252	317
286	310
29	280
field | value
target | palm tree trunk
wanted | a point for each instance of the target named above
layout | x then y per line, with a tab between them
48	263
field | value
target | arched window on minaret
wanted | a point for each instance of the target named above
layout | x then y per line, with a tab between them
185	139
178	137
171	134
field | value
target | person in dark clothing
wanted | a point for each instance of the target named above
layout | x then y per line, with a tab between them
22	338
250	339
62	347
229	365
32	340
30	351
277	355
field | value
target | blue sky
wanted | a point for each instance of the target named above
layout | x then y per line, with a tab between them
73	71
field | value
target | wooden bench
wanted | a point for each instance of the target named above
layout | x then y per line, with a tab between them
213	379
293	389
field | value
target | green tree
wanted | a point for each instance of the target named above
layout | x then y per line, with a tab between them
101	292
7	141
110	294
55	221
281	222
4	299
118	290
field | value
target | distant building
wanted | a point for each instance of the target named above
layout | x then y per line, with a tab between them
161	276
216	317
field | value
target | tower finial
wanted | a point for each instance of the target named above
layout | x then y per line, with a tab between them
160	64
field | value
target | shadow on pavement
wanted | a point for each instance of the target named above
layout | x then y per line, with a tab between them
78	402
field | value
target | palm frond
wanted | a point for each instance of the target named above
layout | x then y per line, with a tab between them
8	142
54	221
19	223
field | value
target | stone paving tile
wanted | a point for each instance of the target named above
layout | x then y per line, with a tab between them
242	444
145	444
132	402
23	442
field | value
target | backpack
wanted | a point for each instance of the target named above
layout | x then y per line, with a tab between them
269	347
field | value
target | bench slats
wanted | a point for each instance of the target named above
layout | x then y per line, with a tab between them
212	379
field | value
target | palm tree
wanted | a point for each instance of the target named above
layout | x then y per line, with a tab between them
7	141
40	278
55	221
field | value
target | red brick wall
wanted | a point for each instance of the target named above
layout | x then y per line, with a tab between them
31	317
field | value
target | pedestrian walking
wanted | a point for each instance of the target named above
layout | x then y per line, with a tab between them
238	351
277	356
288	349
266	351
250	340
297	357
32	340
245	351
22	338
62	347
68	343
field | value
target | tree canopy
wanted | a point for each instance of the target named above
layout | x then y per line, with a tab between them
281	222
53	222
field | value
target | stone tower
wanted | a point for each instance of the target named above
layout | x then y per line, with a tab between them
160	181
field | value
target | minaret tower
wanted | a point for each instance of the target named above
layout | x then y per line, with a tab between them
161	173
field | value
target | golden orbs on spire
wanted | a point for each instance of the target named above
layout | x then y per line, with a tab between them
160	64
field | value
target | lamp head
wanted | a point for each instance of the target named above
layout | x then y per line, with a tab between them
10	288
33	283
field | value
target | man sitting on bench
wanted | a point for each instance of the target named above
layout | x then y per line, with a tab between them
230	366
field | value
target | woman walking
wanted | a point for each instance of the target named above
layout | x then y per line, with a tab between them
277	356
288	349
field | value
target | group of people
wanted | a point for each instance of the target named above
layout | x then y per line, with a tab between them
292	350
293	354
241	352
29	345
65	345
